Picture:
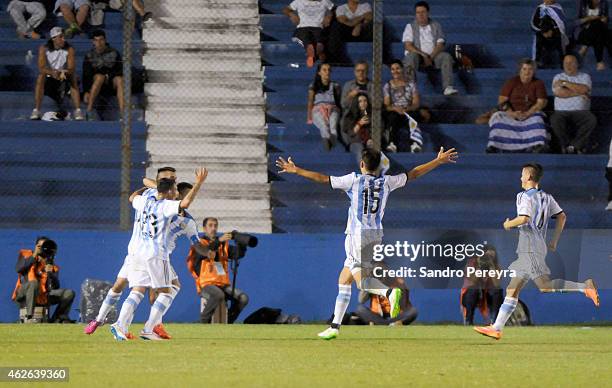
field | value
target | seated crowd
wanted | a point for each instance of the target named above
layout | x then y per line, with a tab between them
517	124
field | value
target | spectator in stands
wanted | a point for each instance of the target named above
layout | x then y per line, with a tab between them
136	4
211	273
68	8
572	122
324	105
402	102
353	24
482	292
356	129
518	125
310	17
18	10
548	23
361	84
593	29
57	75
102	73
38	282
424	43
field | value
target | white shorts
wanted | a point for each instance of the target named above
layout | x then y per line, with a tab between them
530	265
123	272
353	245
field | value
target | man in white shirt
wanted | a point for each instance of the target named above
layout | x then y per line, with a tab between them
572	91
424	42
353	24
310	17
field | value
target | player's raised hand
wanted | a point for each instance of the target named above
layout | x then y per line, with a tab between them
449	156
286	165
200	175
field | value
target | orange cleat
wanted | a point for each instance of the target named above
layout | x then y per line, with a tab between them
129	336
591	291
160	331
488	331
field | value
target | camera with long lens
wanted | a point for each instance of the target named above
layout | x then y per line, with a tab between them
244	239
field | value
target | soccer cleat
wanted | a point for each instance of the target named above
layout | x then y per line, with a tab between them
329	333
161	331
150	336
92	326
117	332
591	291
394	301
488	331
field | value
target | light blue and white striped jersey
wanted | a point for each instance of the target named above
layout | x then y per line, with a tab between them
540	207
182	226
151	227
368	195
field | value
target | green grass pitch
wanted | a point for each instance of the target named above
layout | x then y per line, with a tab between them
291	355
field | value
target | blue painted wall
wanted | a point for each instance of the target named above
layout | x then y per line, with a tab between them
298	273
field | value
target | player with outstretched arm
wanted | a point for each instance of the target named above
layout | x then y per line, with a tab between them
368	193
534	209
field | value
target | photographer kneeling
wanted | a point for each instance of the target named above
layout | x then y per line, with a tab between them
483	293
211	273
38	282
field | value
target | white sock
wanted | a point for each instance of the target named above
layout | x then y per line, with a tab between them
374	286
505	311
560	285
342	301
128	308
111	299
158	309
173	291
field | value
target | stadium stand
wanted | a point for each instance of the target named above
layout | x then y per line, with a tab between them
475	192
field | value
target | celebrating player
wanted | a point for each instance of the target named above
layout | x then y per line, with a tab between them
149	246
114	294
534	209
368	193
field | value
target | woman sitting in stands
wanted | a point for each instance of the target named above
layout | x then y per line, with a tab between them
518	125
356	132
593	29
324	105
402	112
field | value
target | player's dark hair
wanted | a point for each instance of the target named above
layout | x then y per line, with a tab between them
97	33
164	169
536	171
422	4
164	185
39	238
371	159
183	186
207	219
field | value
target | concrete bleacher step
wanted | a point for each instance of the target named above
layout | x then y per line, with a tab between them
204	9
220	131
184	61
189	118
245	89
239	171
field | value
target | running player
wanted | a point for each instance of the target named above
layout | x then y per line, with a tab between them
149	245
534	209
368	193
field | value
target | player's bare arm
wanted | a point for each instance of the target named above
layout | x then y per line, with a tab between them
515	222
200	176
137	193
561	220
287	166
444	157
149	183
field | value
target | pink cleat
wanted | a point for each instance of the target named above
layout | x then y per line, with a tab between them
92	326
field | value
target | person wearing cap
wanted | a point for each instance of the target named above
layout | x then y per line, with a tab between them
102	73
68	9
56	65
18	10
